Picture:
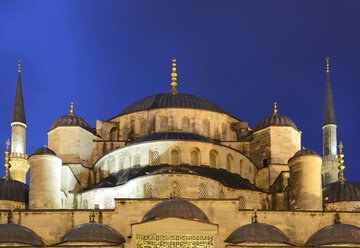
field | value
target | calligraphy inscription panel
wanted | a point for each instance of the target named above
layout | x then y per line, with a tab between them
174	241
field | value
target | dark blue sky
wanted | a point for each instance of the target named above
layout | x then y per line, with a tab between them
243	55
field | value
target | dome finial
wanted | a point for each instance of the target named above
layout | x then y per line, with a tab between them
254	217
72	109
174	91
19	65
92	217
7	164
327	64
275	108
341	166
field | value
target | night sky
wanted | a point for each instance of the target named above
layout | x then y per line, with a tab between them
242	55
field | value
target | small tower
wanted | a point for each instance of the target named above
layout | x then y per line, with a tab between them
329	168
18	158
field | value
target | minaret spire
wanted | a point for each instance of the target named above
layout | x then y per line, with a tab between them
341	164
330	160
18	109
174	91
7	159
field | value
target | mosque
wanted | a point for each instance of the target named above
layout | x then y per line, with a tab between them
176	170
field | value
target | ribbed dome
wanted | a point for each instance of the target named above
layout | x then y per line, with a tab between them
258	233
337	191
175	208
275	120
335	234
171	136
13	190
12	233
43	151
168	100
71	120
304	151
93	232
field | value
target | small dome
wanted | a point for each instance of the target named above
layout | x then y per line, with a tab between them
93	232
335	234
275	120
175	208
12	233
168	100
43	151
13	190
172	136
304	151
337	192
71	120
258	233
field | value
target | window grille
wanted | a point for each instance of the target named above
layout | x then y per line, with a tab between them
147	190
136	160
242	203
213	159
155	157
143	126
185	125
194	157
85	204
164	124
203	190
206	128
175	189
175	157
108	203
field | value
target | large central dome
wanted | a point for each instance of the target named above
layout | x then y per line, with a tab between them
168	100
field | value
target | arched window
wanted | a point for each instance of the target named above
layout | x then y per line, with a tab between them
265	163
143	127
164	125
147	190
242	168
85	204
203	193
175	190
175	157
121	162
108	203
195	157
223	131
206	128
185	124
242	203
213	159
154	158
136	160
251	173
229	162
114	133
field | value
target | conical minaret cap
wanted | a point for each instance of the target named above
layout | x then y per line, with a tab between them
18	114
329	111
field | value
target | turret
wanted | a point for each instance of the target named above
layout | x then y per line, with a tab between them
330	162
305	181
18	158
45	180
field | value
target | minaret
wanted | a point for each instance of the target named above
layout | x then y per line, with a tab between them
18	158
330	163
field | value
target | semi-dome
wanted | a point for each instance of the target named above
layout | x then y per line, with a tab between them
341	191
93	232
176	208
275	120
171	136
335	234
258	233
71	120
13	190
44	151
168	100
13	233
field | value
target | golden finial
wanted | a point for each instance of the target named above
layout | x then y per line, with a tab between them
19	65
341	166
275	108
7	159
254	217
72	109
327	64
174	91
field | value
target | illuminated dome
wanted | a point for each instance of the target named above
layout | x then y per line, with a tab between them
93	232
175	208
275	120
335	234
257	233
13	233
168	100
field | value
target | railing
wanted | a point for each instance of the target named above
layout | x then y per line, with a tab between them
18	155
